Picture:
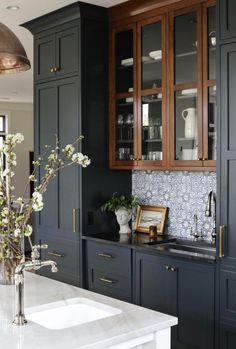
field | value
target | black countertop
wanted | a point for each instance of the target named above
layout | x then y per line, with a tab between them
163	245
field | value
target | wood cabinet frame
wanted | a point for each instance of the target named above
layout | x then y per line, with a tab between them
135	22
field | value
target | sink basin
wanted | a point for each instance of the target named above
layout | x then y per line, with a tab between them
69	313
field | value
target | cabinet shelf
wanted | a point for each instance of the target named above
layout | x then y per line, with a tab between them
126	141
182	139
152	140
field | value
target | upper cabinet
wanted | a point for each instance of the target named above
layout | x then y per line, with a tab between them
57	53
163	89
227	10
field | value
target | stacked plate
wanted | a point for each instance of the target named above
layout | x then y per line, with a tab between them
126	62
157	55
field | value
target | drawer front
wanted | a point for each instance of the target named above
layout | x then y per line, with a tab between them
66	254
109	258
110	284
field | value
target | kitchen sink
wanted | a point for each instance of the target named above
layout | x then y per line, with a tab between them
185	247
69	313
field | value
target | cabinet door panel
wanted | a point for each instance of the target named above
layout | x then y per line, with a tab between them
156	286
67	56
227	11
62	195
68	118
227	295
228	150
227	337
46	115
195	298
44	57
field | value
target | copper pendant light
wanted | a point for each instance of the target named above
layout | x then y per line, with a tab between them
13	58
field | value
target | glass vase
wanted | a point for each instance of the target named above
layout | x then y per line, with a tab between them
11	254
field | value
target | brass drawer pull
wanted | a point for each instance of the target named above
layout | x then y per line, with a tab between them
107	280
168	268
56	254
221	254
52	70
105	255
74	220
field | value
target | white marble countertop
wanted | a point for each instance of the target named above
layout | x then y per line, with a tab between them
132	322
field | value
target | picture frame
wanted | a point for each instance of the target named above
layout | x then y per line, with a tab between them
150	215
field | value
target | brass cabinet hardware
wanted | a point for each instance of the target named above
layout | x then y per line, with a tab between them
105	255
56	69
74	220
52	70
221	231
56	254
107	280
169	268
200	159
204	159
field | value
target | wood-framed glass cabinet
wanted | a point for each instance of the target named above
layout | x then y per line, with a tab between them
163	89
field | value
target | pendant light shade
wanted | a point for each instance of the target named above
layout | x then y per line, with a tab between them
13	58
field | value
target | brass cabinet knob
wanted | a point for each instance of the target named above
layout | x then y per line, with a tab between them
52	70
204	159
56	69
200	159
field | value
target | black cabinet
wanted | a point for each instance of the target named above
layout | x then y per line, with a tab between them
69	101
108	270
227	10
57	53
183	289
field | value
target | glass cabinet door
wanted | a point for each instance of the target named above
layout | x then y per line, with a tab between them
124	95
151	91
185	86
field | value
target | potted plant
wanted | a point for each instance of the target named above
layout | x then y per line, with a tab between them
122	206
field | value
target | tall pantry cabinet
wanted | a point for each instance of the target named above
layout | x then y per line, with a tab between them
70	99
227	175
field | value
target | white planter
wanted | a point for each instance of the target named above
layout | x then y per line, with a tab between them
123	216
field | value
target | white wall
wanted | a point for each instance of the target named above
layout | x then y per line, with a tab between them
20	119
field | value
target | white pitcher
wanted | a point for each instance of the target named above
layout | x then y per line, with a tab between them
190	117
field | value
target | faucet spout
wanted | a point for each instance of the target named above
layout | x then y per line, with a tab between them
34	264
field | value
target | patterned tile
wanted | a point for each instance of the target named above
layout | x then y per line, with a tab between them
184	193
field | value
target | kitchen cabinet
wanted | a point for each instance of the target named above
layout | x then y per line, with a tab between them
226	182
183	289
108	270
227	28
163	89
69	102
57	52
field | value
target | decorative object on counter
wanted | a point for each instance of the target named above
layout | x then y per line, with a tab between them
190	117
122	206
152	231
16	212
150	216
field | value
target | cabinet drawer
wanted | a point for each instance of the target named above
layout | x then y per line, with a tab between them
66	254
109	258
110	284
228	291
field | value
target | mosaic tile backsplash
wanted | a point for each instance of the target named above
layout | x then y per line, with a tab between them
185	193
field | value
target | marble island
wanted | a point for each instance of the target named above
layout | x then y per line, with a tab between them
129	327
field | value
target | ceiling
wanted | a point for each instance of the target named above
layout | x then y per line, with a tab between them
19	87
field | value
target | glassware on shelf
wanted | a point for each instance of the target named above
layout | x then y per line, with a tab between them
120	124
129	123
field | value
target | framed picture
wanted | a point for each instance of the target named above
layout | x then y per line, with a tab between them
150	215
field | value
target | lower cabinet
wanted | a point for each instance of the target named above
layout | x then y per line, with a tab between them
227	307
66	254
108	270
183	289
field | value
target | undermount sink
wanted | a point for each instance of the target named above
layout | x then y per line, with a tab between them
69	313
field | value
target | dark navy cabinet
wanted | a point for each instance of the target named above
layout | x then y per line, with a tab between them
182	289
227	10
71	94
226	286
57	52
108	270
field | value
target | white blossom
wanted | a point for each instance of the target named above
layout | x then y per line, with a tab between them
17	232
28	230
81	159
69	150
